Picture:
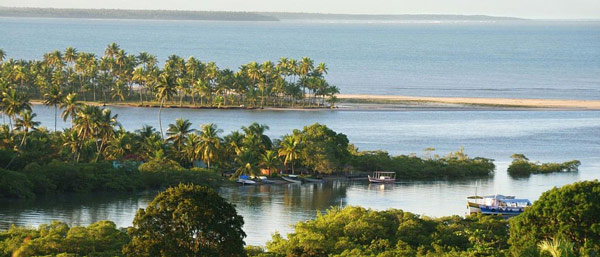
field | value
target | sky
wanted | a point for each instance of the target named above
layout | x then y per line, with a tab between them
534	9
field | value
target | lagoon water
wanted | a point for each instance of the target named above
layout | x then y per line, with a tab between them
541	135
527	59
522	59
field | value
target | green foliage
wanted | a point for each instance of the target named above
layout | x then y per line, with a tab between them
569	213
355	231
101	239
187	221
455	165
521	166
323	150
14	185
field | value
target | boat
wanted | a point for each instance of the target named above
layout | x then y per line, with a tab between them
245	180
313	180
497	205
382	177
265	180
292	179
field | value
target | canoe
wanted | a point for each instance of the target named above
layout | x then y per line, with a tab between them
314	180
288	179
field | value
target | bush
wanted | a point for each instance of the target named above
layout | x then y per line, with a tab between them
570	212
15	185
521	166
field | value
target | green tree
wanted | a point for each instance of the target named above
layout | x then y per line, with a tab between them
187	220
210	143
70	107
177	132
269	161
289	149
24	123
164	90
566	213
53	98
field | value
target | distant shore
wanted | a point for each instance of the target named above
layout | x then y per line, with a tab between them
473	101
391	102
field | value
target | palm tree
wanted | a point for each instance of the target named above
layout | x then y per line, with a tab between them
177	132
70	107
210	143
2	55
557	248
190	148
13	103
105	129
258	131
71	140
24	123
53	98
269	160
164	90
289	149
246	163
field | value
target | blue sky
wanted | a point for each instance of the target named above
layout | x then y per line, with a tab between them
542	9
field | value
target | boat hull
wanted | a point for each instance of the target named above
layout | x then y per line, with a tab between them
291	180
246	181
378	180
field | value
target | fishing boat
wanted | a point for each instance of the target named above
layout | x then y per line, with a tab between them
383	177
292	179
497	205
245	180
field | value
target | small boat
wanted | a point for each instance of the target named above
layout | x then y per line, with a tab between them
313	180
265	180
497	205
383	177
292	179
245	180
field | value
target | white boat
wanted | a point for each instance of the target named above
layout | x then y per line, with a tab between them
497	205
383	177
245	180
291	179
265	180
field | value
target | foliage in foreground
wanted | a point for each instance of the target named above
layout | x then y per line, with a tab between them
355	231
101	239
570	213
187	220
521	166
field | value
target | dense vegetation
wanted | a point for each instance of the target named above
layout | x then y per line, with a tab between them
119	76
454	165
521	166
569	216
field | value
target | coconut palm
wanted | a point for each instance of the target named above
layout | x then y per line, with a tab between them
269	161
190	148
289	148
557	248
258	131
2	55
177	132
70	107
164	90
53	98
105	129
210	143
24	123
246	163
71	140
13	103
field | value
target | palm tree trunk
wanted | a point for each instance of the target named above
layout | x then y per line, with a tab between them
55	113
18	150
159	118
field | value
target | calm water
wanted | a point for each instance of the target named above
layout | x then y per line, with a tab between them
541	135
530	59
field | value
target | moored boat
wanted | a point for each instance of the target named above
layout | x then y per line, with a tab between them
245	180
497	205
265	180
383	177
291	179
313	180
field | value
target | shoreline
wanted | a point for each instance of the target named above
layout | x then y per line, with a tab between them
354	102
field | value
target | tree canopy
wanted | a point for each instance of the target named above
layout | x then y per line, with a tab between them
187	220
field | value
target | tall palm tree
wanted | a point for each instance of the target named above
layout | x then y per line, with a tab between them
24	123
258	131
289	149
269	160
164	90
246	163
70	107
54	97
177	132
2	55
210	143
13	103
190	148
105	129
